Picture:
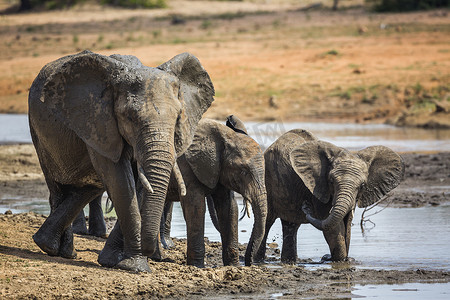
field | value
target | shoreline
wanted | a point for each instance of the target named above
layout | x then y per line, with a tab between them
27	272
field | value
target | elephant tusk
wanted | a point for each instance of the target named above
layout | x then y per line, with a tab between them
247	204
144	179
179	178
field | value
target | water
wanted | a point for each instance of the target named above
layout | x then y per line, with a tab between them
435	291
358	136
14	129
402	239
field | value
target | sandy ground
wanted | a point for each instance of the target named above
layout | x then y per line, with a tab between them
26	272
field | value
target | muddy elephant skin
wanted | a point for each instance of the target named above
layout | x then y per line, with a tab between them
108	123
220	161
312	181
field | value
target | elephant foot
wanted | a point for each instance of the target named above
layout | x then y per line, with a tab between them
153	254
79	226
326	257
136	264
329	257
198	264
108	258
259	258
49	246
101	233
66	248
97	227
289	261
67	252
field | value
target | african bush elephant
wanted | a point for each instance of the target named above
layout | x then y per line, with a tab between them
99	123
312	181
218	162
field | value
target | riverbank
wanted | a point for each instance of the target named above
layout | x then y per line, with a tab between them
26	272
268	61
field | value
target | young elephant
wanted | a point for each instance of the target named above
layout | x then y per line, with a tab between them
312	181
218	162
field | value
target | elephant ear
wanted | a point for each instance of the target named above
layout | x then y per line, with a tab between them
312	163
196	94
386	170
78	91
205	152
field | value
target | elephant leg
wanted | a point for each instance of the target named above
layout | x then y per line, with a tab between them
113	251
227	214
338	239
119	181
79	224
348	229
97	225
289	250
55	235
166	222
335	238
261	254
194	210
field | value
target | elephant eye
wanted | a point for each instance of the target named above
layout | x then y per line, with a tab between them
362	186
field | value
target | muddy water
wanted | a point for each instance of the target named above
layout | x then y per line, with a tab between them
435	291
395	238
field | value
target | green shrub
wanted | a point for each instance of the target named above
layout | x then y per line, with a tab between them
406	5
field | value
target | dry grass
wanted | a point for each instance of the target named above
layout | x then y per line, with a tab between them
267	61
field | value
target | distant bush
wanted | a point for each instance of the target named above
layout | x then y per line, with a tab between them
58	4
406	5
137	3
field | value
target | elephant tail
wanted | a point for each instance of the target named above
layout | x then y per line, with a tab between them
109	206
245	210
212	212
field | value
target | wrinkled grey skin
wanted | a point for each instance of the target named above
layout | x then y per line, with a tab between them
312	181
93	120
218	162
97	225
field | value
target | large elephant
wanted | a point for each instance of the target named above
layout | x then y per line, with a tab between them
99	123
312	181
218	162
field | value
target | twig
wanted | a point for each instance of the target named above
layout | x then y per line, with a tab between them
365	219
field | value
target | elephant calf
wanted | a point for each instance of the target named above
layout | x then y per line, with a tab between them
220	160
312	181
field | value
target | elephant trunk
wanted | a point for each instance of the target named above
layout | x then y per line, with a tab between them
157	161
259	208
345	199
